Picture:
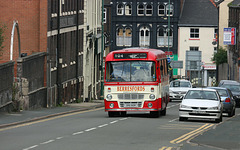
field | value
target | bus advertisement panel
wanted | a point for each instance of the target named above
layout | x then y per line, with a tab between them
136	79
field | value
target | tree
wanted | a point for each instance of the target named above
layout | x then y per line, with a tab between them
220	57
2	29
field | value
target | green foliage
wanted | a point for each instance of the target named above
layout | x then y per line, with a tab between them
220	57
2	29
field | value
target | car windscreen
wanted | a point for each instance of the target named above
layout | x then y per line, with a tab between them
222	93
232	87
130	71
180	84
201	94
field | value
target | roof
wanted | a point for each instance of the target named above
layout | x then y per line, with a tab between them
199	13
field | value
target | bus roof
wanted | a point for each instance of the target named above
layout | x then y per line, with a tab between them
152	54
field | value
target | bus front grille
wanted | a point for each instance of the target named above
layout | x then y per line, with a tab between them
131	96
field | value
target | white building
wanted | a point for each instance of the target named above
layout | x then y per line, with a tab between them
92	49
197	30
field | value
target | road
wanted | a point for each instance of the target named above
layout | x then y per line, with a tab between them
94	130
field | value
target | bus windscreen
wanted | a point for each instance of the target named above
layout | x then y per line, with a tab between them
131	71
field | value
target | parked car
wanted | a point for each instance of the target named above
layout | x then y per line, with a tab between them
234	86
202	103
229	104
178	89
226	82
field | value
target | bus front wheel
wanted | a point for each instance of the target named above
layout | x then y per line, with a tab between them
113	113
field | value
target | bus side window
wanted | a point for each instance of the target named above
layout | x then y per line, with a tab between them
161	68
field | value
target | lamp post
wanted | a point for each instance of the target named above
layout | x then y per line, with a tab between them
168	25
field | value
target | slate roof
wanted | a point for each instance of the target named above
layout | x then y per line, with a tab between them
200	13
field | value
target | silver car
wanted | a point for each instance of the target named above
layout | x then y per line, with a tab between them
201	103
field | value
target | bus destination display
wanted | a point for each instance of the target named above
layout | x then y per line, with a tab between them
130	55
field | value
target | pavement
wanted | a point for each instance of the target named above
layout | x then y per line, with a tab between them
16	118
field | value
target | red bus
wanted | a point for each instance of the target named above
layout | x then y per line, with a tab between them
136	79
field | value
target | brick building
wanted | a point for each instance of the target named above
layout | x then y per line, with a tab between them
69	31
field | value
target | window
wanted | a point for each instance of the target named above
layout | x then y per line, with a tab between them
149	10
130	71
194	33
140	9
104	15
124	36
169	10
194	48
144	37
145	10
128	9
120	9
193	64
161	10
162	37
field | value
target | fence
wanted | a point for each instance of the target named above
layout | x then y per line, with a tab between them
6	83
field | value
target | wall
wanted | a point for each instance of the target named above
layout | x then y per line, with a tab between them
204	43
6	84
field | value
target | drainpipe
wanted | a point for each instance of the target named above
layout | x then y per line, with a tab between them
102	50
77	48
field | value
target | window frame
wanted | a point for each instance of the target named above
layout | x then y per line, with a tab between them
194	33
120	10
171	10
160	9
146	36
129	10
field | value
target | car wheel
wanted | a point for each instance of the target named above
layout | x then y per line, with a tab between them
219	120
182	118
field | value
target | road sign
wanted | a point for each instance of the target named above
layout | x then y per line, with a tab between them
168	60
177	64
229	36
169	53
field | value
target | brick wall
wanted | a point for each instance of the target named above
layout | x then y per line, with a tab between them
32	19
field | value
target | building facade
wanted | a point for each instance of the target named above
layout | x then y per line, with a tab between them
234	50
69	31
197	32
141	23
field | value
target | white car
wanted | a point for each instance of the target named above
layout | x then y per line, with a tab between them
178	89
201	103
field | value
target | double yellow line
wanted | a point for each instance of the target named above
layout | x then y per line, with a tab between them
191	134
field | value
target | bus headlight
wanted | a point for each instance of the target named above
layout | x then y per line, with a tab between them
109	96
152	96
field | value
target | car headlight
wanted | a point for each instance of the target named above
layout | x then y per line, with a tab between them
152	96
213	108
170	91
184	106
109	96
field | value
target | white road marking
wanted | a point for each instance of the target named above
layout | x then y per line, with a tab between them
76	133
47	142
58	138
31	147
173	120
102	125
90	129
123	119
113	121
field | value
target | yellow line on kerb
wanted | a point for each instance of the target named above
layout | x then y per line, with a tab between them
191	134
44	120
